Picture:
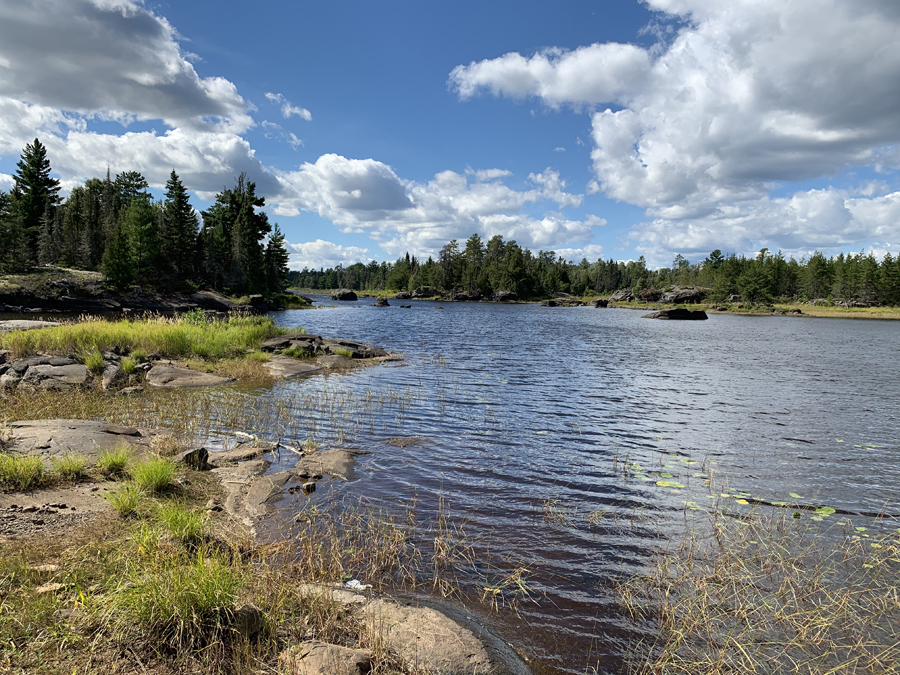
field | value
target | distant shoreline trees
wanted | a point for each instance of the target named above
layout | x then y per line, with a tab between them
478	268
114	225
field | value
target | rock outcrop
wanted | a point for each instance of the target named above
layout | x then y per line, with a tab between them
181	378
504	296
309	346
686	294
382	302
344	295
678	314
623	295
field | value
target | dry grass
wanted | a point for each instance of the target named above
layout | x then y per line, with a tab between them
771	595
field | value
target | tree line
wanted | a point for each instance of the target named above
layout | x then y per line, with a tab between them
115	226
479	268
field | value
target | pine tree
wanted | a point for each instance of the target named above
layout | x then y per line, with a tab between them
276	262
37	193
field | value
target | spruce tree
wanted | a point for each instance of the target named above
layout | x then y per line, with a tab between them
179	232
37	193
117	264
276	262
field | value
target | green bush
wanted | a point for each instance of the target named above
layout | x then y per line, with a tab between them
21	472
153	475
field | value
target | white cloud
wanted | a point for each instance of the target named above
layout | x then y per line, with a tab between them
746	95
367	196
559	149
111	58
288	110
319	253
591	252
6	182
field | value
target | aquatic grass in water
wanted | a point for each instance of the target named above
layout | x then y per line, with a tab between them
770	594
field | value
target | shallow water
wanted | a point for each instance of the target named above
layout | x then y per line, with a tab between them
546	432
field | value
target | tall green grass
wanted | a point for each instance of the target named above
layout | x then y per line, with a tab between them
171	337
21	472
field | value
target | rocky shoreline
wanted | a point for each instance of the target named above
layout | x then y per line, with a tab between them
242	494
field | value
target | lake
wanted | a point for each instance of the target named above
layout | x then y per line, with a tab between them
546	432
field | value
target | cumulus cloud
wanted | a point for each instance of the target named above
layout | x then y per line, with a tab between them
110	58
319	253
367	196
288	110
6	182
746	95
591	253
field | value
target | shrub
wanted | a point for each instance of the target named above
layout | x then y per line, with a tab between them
113	462
69	467
153	475
125	499
21	471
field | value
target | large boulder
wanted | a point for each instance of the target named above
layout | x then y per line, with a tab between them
424	292
686	294
600	302
382	302
403	295
213	301
678	314
425	639
622	295
344	295
650	294
353	350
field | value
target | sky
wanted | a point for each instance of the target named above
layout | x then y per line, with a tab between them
596	129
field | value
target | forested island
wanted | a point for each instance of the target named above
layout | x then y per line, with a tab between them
114	225
480	269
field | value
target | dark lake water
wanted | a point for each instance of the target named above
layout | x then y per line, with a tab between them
526	418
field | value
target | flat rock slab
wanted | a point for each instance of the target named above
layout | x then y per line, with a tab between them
235	481
56	438
50	377
427	640
285	366
337	463
178	378
336	362
23	324
264	492
319	658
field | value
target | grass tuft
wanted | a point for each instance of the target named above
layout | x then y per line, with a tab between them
125	499
70	467
152	475
21	472
129	365
183	524
112	462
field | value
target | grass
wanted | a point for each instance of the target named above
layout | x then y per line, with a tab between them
125	499
21	472
770	595
94	362
183	523
113	462
171	337
152	475
70	467
341	351
128	365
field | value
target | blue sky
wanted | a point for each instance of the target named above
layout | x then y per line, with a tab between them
607	129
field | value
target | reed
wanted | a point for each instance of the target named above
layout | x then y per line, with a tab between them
769	594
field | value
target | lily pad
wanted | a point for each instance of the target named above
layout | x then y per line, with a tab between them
795	495
825	511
